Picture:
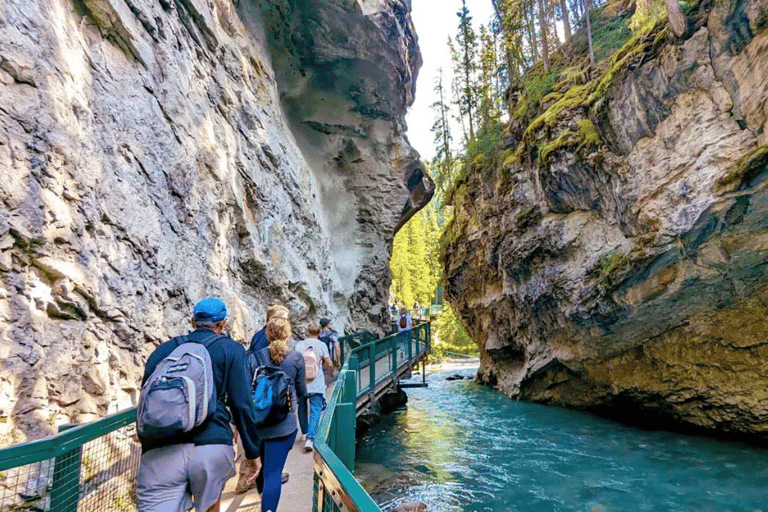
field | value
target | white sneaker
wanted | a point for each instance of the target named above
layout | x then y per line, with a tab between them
308	446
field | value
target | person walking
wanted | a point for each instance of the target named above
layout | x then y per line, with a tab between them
277	440
315	353
191	468
331	339
404	326
259	340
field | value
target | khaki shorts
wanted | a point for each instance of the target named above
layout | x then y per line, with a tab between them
173	478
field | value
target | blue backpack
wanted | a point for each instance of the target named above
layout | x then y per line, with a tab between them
271	391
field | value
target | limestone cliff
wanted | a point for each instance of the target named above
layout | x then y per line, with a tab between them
153	153
616	261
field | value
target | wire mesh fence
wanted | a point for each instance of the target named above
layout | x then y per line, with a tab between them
93	468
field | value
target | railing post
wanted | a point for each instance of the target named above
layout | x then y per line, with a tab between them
354	365
65	489
346	422
393	352
410	344
372	367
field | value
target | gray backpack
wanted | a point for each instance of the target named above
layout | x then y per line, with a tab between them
180	394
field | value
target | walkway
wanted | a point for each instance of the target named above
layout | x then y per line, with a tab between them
296	494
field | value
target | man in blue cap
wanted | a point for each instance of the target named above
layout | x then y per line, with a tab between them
191	468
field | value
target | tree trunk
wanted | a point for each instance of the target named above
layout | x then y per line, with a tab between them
676	18
566	21
544	38
532	32
587	11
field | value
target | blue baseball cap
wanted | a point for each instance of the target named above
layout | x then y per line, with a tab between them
210	310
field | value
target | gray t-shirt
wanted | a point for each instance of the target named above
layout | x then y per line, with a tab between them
316	385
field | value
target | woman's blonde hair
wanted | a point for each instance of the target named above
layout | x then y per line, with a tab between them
278	334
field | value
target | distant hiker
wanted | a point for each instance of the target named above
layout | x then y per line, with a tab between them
416	311
277	440
183	467
331	340
315	354
259	340
404	326
393	310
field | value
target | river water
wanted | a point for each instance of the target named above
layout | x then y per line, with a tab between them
460	447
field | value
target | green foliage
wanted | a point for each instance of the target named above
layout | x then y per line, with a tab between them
534	87
414	262
608	34
451	335
647	13
482	150
612	268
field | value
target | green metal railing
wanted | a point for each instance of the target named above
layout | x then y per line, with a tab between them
89	467
335	487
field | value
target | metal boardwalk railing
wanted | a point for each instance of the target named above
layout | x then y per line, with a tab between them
93	467
370	369
89	467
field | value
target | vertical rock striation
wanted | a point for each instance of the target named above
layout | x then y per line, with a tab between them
154	153
617	263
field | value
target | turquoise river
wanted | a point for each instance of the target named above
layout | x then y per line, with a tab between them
461	447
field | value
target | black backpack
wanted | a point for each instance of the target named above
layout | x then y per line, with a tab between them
403	322
270	391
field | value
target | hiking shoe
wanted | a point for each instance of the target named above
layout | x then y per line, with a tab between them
283	478
308	446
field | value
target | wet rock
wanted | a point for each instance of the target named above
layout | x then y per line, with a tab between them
391	401
411	507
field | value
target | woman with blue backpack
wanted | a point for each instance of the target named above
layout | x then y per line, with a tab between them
279	379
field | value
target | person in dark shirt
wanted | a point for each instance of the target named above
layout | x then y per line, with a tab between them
331	339
192	468
259	340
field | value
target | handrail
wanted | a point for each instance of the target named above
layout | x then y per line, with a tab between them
84	467
52	447
336	488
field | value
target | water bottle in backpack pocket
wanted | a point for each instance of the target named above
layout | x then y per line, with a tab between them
271	391
180	394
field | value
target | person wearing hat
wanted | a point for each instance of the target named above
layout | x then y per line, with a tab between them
331	340
190	469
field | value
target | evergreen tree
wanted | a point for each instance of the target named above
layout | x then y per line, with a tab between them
489	100
442	170
466	69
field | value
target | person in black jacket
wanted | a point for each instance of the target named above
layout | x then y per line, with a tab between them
192	468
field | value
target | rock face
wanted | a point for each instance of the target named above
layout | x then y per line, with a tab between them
153	153
627	276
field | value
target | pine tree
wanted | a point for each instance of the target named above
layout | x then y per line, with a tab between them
466	40
489	101
442	171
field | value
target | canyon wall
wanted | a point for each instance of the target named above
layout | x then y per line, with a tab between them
153	153
616	261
